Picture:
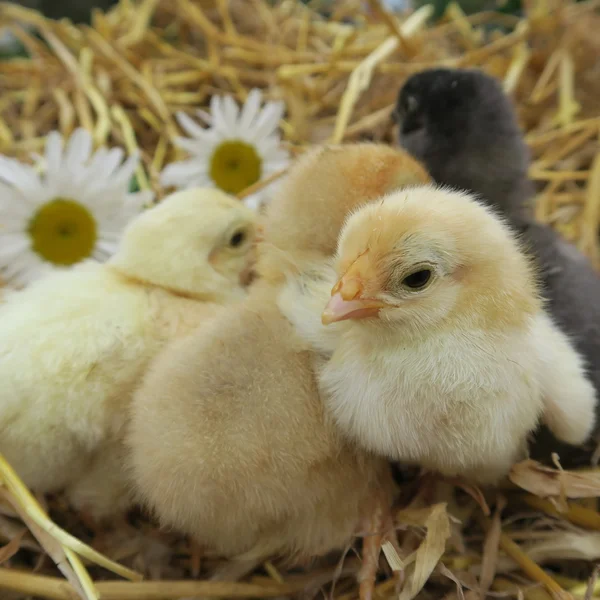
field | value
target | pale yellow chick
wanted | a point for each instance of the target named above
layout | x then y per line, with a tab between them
229	442
74	345
229	439
443	354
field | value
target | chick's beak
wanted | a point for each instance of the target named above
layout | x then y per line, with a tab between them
347	300
248	273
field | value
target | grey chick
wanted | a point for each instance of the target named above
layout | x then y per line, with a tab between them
463	128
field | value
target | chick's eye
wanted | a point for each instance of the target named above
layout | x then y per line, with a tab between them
237	239
418	279
410	104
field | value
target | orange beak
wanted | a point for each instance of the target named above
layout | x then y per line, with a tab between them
347	301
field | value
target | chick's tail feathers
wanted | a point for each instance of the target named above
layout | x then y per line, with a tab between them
570	399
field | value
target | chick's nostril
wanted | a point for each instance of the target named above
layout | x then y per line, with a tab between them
350	289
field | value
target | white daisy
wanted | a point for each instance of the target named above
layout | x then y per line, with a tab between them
75	211
237	149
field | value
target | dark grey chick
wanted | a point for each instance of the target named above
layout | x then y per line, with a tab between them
463	128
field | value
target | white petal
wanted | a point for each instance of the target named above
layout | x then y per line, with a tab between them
195	146
178	174
15	222
269	146
54	144
137	201
12	245
250	110
105	162
105	247
253	201
22	178
112	161
268	120
26	268
220	124
189	125
11	202
123	176
79	147
205	116
231	111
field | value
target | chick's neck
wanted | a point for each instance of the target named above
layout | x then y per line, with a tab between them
221	294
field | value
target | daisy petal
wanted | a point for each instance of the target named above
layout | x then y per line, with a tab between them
124	174
253	201
22	178
250	110
54	145
79	148
11	203
137	201
189	125
105	248
231	111
205	116
220	123
195	146
179	174
268	120
12	245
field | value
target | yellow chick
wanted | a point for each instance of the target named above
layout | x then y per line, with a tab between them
443	355
326	183
229	442
228	435
74	344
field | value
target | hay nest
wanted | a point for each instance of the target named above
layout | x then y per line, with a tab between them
124	77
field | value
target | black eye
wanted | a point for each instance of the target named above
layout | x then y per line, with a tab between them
418	279
237	239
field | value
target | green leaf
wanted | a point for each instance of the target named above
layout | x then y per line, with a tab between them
134	186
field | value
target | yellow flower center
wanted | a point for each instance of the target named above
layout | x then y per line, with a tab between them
234	166
63	232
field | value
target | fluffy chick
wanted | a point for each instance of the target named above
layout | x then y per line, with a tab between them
264	469
74	344
248	464
464	129
446	357
304	221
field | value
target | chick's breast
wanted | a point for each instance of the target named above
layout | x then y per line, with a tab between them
230	444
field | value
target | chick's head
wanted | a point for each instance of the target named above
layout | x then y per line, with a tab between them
419	257
322	187
445	104
463	127
198	242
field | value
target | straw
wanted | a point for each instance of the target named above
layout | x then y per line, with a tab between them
126	76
